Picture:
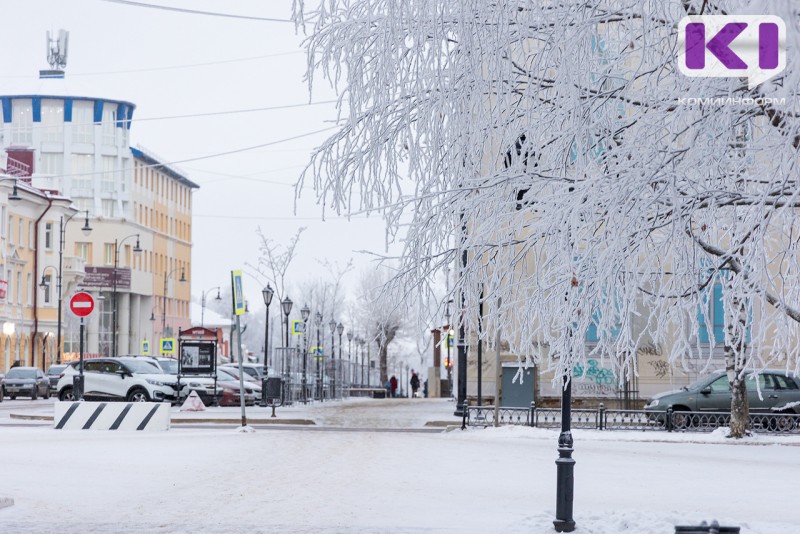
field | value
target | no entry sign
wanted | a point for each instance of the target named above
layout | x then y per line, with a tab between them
81	304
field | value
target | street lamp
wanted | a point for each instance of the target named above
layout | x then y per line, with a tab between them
267	293
332	326
164	298
203	304
350	355
136	249
86	229
318	357
361	342
286	306
305	312
340	330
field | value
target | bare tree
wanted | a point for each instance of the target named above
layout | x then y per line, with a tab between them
555	142
381	312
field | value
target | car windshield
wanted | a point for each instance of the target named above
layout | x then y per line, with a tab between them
56	369
169	366
143	367
235	373
17	372
223	374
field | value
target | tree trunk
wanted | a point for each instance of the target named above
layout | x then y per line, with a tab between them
734	365
383	351
740	410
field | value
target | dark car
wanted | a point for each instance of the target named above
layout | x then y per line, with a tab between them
53	374
779	393
27	382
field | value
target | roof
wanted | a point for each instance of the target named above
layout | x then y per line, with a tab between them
149	159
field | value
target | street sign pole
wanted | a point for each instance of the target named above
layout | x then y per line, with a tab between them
79	394
237	294
82	305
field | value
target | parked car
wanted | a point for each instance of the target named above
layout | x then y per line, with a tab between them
779	393
225	372
123	378
27	382
230	394
255	370
53	374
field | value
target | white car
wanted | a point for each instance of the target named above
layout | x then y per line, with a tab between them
125	379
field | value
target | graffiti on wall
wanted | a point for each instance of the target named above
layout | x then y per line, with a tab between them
593	380
660	368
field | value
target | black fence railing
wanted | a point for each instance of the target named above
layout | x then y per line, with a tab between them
602	419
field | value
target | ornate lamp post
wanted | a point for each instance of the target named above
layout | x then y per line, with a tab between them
164	303
267	293
318	357
360	341
340	330
305	312
332	326
136	249
203	304
350	355
286	308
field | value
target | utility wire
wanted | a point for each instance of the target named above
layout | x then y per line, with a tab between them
172	67
194	11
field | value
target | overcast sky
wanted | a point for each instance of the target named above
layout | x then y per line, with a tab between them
150	57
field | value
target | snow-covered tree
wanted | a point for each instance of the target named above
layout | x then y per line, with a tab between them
555	142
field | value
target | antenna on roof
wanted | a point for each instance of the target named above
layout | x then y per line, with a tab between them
56	55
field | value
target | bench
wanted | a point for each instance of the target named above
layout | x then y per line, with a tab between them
375	392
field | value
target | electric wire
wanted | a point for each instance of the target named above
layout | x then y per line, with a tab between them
195	11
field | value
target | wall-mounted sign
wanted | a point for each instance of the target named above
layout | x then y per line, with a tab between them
103	277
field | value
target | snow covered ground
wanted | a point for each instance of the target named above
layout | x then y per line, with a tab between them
217	479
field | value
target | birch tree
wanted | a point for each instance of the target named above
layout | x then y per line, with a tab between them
555	142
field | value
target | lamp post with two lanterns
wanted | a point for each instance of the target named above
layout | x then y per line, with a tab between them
305	313
136	250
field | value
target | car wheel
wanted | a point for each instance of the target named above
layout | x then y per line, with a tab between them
47	393
12	397
66	395
35	393
138	395
680	420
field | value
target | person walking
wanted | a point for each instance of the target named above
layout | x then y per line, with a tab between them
393	385
414	384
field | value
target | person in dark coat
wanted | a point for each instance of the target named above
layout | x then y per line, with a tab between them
393	385
414	384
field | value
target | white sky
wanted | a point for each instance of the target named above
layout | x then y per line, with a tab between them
476	481
107	37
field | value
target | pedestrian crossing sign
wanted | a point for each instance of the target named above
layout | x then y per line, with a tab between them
167	345
298	327
146	348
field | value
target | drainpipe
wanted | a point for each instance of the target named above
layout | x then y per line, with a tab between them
35	287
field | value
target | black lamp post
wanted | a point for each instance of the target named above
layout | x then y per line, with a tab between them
62	230
286	308
318	357
164	303
350	355
267	293
305	312
332	326
565	464
340	331
136	249
360	341
203	304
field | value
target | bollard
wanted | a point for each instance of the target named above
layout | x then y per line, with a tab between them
668	419
601	415
77	386
533	414
464	413
705	528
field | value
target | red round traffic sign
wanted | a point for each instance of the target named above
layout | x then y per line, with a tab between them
81	304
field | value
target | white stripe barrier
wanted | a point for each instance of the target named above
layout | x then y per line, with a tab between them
82	415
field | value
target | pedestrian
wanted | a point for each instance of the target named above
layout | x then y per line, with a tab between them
388	386
414	384
393	385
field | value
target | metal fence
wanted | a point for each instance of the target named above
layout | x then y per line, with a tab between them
602	419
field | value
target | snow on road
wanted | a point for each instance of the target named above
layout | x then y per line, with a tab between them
494	480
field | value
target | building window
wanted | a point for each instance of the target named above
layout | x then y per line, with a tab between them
48	236
30	235
51	163
84	251
82	122
10	229
52	124
85	204
82	171
3	212
20	235
47	288
22	121
109	127
18	289
109	253
109	176
108	207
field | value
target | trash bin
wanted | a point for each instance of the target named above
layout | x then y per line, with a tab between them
77	386
271	389
379	394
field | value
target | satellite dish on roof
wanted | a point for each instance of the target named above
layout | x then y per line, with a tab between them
56	55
